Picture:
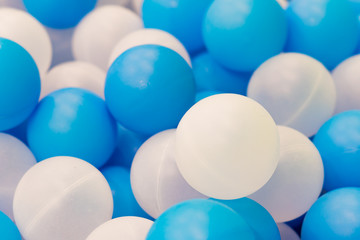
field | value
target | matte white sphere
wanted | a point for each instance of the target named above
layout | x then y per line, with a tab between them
100	30
297	90
155	179
347	82
287	233
61	198
61	42
297	181
227	146
149	36
125	3
74	74
137	6
15	160
125	228
22	28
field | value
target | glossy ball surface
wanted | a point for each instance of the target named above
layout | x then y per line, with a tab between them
8	229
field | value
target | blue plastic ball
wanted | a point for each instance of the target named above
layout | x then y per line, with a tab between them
338	142
259	219
181	18
149	88
200	220
324	29
19	84
72	122
8	229
211	76
204	94
335	215
124	200
59	13
243	34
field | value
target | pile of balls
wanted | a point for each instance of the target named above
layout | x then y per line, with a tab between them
179	119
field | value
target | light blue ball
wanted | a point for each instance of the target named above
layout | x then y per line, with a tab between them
323	29
355	4
338	142
59	13
335	215
19	84
72	122
181	18
200	220
149	88
243	34
8	229
124	200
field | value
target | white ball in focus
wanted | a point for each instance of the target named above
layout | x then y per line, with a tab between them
287	233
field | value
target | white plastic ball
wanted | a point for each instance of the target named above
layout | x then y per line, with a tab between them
347	82
155	179
15	160
137	6
297	181
24	29
227	146
297	90
126	228
99	31
287	233
149	36
12	3
74	74
61	198
125	3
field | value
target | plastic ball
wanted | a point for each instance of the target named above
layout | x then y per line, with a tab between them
213	221
72	122
287	233
256	216
15	160
338	142
61	41
296	89
155	180
218	142
298	178
61	198
325	29
149	88
137	6
347	84
8	229
149	37
210	76
74	74
283	3
234	32
336	215
181	18
19	90
204	94
129	228
99	31
124	200
25	30
12	3
125	3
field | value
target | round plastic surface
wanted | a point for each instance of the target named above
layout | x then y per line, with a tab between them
155	179
149	88
19	90
336	215
296	89
256	216
125	3
12	3
298	178
338	142
15	160
59	13
287	233
137	6
24	29
347	84
8	229
72	122
283	3
127	228
99	31
124	200
204	94
61	198
218	142
324	29
74	74
201	220
149	37
234	32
